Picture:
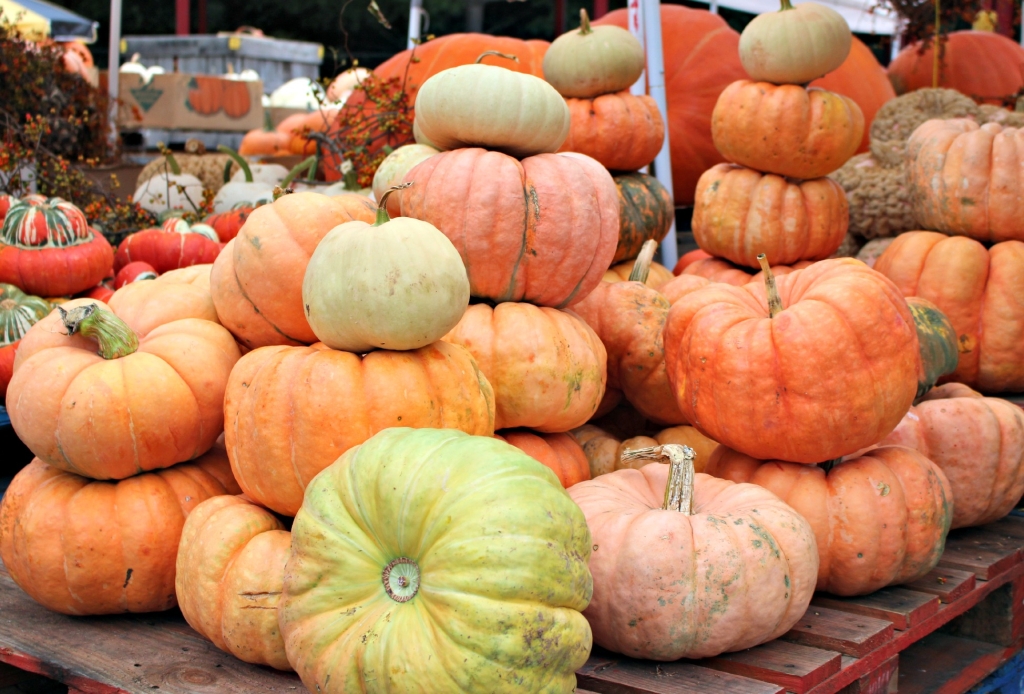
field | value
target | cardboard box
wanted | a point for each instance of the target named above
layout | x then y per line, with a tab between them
182	101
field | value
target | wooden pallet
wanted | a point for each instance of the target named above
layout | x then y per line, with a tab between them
943	633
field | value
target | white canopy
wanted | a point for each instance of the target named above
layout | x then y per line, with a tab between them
863	16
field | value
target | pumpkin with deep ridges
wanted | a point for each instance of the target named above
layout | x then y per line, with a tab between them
623	131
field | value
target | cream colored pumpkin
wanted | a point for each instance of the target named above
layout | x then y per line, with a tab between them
394	167
796	44
591	61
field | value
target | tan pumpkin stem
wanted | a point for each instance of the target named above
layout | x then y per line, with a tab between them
770	288
786	5
382	204
642	266
679	487
113	336
506	56
585	23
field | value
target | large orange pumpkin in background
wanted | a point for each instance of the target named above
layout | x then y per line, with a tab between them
981	64
701	59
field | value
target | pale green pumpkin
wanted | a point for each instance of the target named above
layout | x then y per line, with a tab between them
397	284
591	61
491	107
795	45
428	560
394	167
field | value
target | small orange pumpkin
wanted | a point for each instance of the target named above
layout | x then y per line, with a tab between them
560	452
623	131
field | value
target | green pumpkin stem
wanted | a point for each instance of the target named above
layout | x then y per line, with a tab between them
770	288
382	204
642	266
585	23
302	166
169	158
679	487
506	56
786	5
113	336
242	163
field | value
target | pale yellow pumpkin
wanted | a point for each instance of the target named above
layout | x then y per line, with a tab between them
591	61
394	167
796	44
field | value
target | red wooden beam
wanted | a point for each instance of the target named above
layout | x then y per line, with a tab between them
559	17
181	18
202	26
600	8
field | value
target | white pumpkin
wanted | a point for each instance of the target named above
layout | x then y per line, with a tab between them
247	193
394	167
133	66
301	92
263	173
161	193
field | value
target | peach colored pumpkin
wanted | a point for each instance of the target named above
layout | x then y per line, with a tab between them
622	131
177	294
559	452
718	270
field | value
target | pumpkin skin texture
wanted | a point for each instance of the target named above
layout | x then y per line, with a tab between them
167	250
228	224
658	276
622	131
113	418
83	547
795	45
229	575
979	444
938	341
835	376
646	212
978	289
283	427
591	61
509	219
547	367
662	578
880	519
604	451
394	167
740	213
174	295
257	279
512	559
786	130
964	178
718	270
488	106
558	452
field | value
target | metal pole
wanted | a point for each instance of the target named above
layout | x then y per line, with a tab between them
636	27
113	63
897	41
713	7
415	22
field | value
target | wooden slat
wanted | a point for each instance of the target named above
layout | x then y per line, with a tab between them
882	680
833	630
904	608
981	551
943	664
610	675
791	665
948	584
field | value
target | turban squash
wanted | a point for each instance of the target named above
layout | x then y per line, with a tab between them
176	244
18	313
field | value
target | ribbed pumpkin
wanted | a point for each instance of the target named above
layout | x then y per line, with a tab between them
879	520
228	224
966	179
283	426
669	583
174	245
471	566
825	366
48	249
979	444
90	396
18	313
937	339
591	61
394	167
490	106
559	452
257	279
718	270
741	213
83	547
604	452
229	575
786	130
701	60
509	220
979	290
623	131
646	212
547	367
174	295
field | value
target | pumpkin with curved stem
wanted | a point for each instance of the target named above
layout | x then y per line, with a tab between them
48	249
228	578
740	213
174	295
978	289
257	279
83	547
18	313
786	130
645	212
592	61
176	244
558	452
276	429
657	277
547	367
787	356
509	219
939	346
979	444
90	396
880	519
668	583
796	44
623	131
246	192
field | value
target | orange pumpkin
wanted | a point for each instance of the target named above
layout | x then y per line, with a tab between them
82	547
257	279
818	369
559	452
509	221
257	142
205	94
979	444
137	405
879	520
604	452
701	59
741	213
965	178
622	131
718	270
174	295
786	129
979	290
658	276
547	367
283	426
